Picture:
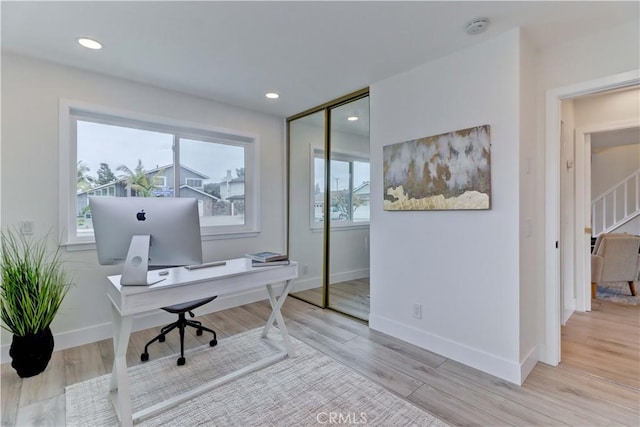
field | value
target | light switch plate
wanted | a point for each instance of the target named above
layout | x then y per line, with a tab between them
26	227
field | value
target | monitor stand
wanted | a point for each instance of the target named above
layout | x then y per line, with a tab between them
136	265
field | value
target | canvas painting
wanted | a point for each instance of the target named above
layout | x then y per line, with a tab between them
450	171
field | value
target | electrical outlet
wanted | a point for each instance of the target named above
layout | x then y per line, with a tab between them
417	311
305	269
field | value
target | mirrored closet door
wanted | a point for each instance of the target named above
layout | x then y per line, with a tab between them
328	149
348	288
306	202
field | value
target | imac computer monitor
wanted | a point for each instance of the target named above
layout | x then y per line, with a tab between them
143	231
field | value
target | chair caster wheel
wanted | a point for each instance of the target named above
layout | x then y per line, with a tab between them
199	332
144	357
161	339
213	342
181	361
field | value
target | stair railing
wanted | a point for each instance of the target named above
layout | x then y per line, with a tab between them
616	206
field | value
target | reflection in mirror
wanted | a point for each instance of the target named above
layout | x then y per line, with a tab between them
349	196
306	201
329	192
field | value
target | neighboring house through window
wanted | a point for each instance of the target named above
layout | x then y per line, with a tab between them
194	182
349	196
160	181
120	154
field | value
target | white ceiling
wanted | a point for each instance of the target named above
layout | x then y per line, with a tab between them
309	52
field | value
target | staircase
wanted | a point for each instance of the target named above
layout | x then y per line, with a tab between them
616	206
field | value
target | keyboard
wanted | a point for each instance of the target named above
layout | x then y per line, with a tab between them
205	265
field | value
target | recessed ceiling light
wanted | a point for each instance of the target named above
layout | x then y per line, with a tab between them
89	43
352	118
272	95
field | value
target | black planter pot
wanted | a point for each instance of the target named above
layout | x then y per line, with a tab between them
31	353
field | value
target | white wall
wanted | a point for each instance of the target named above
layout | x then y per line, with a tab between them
31	90
462	266
611	165
631	227
606	108
597	55
608	167
528	355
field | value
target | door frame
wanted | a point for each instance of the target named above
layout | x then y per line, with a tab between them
582	226
552	298
567	221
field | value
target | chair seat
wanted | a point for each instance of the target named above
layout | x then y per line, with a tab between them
615	258
188	306
181	324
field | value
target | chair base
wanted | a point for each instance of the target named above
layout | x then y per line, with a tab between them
181	324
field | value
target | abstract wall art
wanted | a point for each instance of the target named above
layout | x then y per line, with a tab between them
451	171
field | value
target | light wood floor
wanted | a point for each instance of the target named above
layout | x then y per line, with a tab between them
596	384
350	297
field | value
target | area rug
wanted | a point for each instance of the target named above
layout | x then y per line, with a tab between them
619	293
305	390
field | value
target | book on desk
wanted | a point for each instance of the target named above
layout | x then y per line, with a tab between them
255	263
267	256
267	259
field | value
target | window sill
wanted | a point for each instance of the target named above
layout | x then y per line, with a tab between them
91	245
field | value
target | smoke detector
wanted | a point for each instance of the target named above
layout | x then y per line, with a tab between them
477	26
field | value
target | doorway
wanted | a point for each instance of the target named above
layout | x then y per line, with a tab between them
553	293
328	207
606	191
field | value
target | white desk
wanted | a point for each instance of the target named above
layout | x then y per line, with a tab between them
182	285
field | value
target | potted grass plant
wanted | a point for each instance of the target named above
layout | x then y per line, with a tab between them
32	289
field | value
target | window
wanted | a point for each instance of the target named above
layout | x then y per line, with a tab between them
193	182
159	181
349	189
116	154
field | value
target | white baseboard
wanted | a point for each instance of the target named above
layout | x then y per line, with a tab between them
544	356
316	281
345	276
528	364
152	319
568	310
500	367
306	284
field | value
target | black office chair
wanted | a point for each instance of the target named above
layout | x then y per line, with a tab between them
180	310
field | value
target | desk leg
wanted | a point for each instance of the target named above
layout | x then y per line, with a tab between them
119	387
276	315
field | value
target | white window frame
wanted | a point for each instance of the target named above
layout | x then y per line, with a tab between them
162	181
317	152
70	111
